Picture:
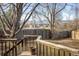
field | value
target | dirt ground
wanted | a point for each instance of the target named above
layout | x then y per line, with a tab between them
67	42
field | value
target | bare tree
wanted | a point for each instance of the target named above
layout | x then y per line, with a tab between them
12	24
76	15
37	17
50	13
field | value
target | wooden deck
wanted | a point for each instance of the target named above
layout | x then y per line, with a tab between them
26	53
72	45
47	47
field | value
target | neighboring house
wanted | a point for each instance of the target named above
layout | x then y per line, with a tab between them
75	34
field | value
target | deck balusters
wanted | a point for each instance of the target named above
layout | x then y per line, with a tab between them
43	49
1	48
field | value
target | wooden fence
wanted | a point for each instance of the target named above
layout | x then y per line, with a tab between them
45	33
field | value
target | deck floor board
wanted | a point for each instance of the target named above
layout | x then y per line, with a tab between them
26	53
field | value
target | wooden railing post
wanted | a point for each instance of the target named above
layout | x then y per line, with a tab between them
69	54
15	51
26	43
5	46
46	50
22	45
36	48
59	52
50	51
43	50
9	46
1	48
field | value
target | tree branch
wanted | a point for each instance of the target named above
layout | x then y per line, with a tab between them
3	25
43	15
7	21
24	5
48	9
39	18
17	15
26	8
27	19
6	7
61	9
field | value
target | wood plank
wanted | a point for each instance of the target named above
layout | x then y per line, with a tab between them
26	53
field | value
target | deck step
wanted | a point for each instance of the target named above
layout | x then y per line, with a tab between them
26	53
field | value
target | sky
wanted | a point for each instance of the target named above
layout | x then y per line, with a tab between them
68	12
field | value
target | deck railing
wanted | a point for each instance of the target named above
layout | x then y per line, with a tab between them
6	44
13	51
22	45
45	48
42	47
